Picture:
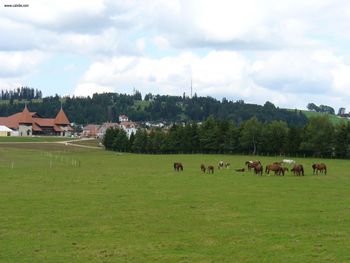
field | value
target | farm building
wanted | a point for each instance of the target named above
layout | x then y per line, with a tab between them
98	131
5	131
90	130
28	123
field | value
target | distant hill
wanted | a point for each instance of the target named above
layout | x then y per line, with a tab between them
333	118
108	106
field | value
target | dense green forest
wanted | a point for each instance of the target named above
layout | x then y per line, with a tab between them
318	138
107	106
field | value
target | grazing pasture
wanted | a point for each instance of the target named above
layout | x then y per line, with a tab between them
136	208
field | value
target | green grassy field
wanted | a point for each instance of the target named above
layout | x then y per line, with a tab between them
333	118
66	204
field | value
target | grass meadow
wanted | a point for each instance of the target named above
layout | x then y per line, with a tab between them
69	204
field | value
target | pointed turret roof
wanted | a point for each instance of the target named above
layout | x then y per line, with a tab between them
61	118
26	116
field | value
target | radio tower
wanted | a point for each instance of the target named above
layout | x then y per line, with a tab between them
191	86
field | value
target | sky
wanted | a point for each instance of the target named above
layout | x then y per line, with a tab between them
288	52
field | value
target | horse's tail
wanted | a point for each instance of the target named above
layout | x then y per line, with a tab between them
261	170
325	169
302	170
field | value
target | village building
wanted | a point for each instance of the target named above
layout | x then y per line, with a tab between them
5	131
123	118
103	128
91	130
99	131
129	127
28	123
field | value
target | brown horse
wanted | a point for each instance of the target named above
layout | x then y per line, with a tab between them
240	170
319	167
258	169
210	169
298	169
203	168
178	167
278	169
251	164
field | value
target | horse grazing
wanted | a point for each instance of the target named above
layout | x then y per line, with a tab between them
251	164
319	167
210	169
178	167
222	165
240	170
298	169
258	169
278	169
203	168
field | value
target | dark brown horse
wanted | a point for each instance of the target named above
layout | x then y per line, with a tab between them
251	164
203	168
298	169
210	169
258	169
178	167
319	167
278	169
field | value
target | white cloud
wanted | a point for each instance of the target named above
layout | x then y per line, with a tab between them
289	79
18	64
255	50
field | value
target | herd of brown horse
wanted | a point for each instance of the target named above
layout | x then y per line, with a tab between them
279	169
257	167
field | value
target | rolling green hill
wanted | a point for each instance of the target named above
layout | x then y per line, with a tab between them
334	118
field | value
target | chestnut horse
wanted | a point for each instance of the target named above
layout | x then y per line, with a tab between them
278	169
251	164
210	169
258	169
203	168
178	167
319	167
298	169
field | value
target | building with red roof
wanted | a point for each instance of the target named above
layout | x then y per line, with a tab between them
30	123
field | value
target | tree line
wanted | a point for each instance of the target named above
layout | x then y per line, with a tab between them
318	138
158	108
20	93
322	108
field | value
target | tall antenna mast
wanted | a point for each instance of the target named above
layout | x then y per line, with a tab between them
191	85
